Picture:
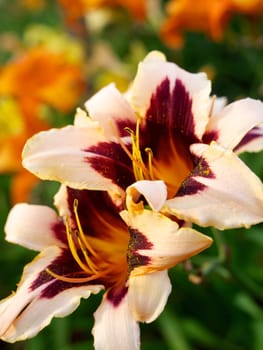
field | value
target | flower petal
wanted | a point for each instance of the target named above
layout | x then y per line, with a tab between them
114	326
113	112
157	243
33	226
82	120
31	308
252	141
155	192
232	123
153	72
222	191
148	294
60	155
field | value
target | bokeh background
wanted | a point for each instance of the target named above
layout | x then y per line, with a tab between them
56	54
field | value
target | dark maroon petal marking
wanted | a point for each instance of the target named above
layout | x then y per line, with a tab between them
59	230
63	265
253	134
137	242
210	136
202	169
59	286
112	162
190	185
122	124
160	105
181	110
173	110
115	295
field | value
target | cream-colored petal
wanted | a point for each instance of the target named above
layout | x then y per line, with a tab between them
231	195
26	312
115	328
82	120
59	155
110	109
234	121
154	70
158	243
32	226
61	201
148	294
155	192
217	104
252	142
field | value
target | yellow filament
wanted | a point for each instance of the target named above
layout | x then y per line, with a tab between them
74	279
85	254
81	233
150	158
141	172
74	251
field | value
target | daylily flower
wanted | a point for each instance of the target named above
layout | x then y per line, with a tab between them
97	245
210	17
167	128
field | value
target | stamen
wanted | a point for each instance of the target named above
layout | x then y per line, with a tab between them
81	233
85	254
150	158
129	130
74	279
73	249
139	169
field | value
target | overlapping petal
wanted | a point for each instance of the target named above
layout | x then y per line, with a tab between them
240	116
147	295
221	192
154	71
155	193
252	141
38	299
33	226
111	110
157	243
115	327
60	155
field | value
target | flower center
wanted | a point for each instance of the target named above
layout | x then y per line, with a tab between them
93	256
169	159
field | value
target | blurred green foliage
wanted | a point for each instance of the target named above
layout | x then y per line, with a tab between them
224	310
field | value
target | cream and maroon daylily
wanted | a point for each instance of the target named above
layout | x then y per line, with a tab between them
90	246
168	128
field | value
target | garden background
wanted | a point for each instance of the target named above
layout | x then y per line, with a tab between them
53	56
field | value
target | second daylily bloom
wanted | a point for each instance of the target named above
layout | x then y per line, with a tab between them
168	128
96	247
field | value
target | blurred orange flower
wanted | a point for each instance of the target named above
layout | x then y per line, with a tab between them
33	80
205	16
76	9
